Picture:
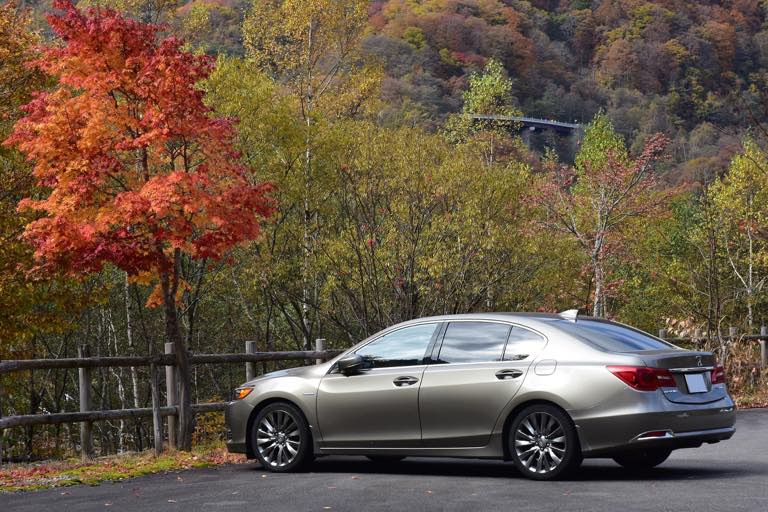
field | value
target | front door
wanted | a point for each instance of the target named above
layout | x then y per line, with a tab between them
378	407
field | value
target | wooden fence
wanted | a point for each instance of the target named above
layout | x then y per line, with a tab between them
699	338
84	363
86	416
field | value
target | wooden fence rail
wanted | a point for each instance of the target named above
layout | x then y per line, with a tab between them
84	363
86	416
733	335
160	360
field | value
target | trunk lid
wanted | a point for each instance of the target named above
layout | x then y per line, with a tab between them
692	372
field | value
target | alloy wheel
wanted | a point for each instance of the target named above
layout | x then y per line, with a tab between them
278	438
540	442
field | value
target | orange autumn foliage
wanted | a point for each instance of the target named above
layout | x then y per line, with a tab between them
139	170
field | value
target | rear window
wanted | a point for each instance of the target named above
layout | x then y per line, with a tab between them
613	337
473	342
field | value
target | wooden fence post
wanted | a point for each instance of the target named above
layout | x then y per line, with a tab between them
319	346
157	420
732	333
170	396
250	366
2	430
763	348
86	427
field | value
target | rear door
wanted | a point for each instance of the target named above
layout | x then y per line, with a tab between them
471	378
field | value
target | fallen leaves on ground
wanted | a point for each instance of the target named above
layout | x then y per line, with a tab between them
24	477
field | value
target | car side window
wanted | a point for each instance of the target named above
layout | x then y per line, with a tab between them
473	342
522	343
403	347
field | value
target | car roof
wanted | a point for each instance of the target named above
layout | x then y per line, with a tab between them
530	319
491	316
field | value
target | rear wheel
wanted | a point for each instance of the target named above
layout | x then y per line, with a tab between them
543	442
280	438
385	458
643	459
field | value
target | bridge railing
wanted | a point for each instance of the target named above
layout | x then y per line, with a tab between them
532	121
86	416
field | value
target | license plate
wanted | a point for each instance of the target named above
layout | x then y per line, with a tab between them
695	383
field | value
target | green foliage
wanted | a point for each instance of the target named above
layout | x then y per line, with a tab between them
741	200
600	142
489	94
423	227
415	37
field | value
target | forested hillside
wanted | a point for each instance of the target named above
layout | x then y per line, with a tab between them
688	69
693	70
285	170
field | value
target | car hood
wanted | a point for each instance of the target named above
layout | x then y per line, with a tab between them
301	371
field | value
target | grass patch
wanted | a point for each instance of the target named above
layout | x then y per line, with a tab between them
49	474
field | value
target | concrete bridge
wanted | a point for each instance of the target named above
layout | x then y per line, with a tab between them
533	123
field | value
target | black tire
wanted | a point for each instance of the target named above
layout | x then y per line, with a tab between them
643	459
543	443
385	459
289	433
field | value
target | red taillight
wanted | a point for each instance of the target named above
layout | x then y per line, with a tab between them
643	378
718	375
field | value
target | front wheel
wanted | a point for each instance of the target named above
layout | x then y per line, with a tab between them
543	442
280	437
643	459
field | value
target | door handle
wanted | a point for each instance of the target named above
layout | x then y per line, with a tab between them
508	374
405	381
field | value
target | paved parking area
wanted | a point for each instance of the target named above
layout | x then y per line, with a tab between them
724	477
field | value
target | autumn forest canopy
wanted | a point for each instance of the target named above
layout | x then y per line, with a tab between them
216	171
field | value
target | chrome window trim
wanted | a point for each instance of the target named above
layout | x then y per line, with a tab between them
439	343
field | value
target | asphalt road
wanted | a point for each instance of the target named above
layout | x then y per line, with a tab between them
724	477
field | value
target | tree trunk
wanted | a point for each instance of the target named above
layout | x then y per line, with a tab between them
169	282
598	308
307	280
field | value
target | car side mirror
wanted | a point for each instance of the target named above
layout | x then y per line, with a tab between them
351	364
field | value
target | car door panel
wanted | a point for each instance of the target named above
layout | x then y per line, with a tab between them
460	403
370	409
378	407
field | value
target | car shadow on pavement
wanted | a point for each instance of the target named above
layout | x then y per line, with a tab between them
603	470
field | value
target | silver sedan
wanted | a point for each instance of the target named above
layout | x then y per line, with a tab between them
541	390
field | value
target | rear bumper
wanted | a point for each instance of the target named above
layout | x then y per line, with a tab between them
652	421
674	440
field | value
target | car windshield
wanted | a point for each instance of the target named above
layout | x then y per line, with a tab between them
613	337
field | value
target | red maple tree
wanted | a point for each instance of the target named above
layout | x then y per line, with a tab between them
595	205
140	172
